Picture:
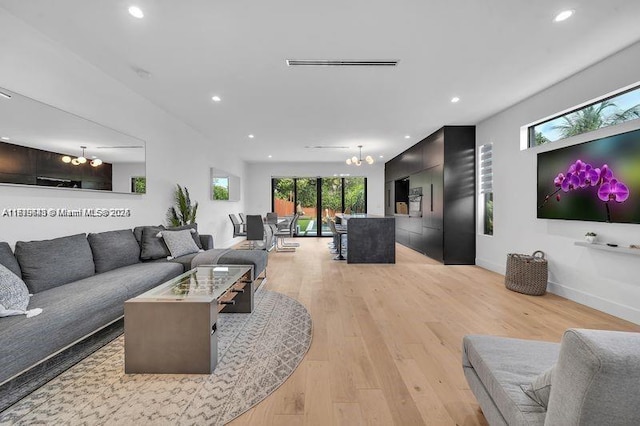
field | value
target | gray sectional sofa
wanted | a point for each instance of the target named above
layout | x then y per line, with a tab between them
81	282
591	378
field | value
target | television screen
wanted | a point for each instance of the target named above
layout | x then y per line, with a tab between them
596	181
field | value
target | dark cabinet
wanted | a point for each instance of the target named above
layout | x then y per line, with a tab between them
433	151
32	166
443	165
389	197
433	197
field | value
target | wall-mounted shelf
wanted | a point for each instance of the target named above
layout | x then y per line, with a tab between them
605	247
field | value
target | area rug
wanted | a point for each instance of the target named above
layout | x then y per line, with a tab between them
16	389
257	352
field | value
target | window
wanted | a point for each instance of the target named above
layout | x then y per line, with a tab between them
220	188
486	188
610	111
315	199
139	185
354	195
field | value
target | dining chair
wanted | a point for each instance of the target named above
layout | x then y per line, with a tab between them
255	229
238	230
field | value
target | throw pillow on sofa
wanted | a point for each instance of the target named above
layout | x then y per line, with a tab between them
114	249
51	263
540	389
153	247
180	243
14	295
194	233
8	259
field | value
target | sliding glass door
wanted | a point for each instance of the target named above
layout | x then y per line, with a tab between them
283	199
355	195
317	200
331	201
307	202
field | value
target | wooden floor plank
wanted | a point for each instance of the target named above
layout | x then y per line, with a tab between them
387	339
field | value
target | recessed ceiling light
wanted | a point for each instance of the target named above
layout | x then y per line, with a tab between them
455	99
4	138
270	156
564	15
382	156
251	136
216	98
136	12
407	137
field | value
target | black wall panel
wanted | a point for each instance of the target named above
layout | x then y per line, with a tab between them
443	165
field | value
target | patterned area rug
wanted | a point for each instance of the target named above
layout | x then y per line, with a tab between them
257	353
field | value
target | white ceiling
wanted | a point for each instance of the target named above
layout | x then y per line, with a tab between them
490	53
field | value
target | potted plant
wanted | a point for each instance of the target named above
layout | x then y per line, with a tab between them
590	237
184	213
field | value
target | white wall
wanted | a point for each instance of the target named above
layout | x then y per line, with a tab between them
258	181
123	172
605	281
35	66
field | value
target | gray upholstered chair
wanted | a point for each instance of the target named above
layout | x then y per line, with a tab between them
255	230
591	378
238	230
337	238
271	219
287	230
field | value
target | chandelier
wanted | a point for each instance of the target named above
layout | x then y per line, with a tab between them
81	160
358	160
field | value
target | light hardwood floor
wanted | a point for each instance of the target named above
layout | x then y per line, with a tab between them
387	338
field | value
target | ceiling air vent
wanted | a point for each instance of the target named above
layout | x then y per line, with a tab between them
326	147
341	63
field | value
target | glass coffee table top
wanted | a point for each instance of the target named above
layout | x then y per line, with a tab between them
204	283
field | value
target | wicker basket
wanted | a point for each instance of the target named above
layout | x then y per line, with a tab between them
527	274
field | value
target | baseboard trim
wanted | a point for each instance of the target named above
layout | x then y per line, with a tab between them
231	243
617	309
607	306
500	269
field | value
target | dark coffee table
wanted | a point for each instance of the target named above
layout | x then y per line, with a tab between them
172	328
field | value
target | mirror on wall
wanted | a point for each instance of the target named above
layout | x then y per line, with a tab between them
41	145
224	186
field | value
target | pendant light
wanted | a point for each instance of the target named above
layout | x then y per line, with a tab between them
358	160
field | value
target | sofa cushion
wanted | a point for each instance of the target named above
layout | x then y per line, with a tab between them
206	241
73	311
50	263
540	388
597	379
137	232
185	261
503	364
179	243
114	249
194	235
14	296
8	259
257	258
153	247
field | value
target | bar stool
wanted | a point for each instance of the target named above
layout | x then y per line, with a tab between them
337	234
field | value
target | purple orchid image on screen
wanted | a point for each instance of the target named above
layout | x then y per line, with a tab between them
581	175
